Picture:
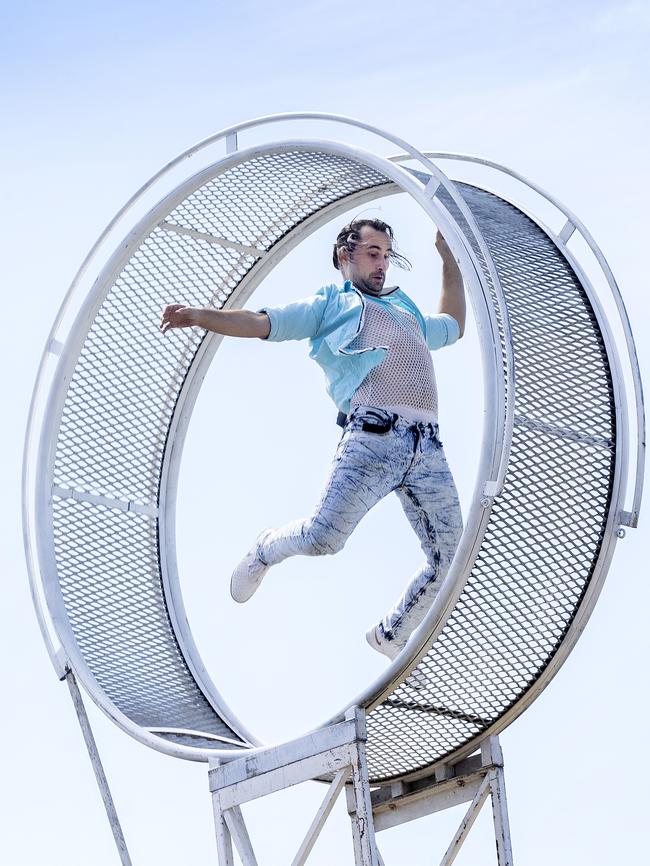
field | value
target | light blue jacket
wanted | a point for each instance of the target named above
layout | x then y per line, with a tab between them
332	318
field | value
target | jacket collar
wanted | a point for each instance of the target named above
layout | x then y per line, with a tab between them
348	286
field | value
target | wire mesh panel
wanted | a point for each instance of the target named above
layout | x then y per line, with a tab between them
544	533
118	410
545	530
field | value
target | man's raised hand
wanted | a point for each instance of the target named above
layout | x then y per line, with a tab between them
443	248
176	316
452	294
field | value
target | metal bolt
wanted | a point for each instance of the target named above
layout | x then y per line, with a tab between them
486	501
620	532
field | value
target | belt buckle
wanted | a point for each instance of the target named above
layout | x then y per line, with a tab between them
379	425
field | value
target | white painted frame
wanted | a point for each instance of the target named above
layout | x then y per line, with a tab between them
498	425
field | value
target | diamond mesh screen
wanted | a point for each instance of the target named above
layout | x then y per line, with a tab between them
117	413
545	530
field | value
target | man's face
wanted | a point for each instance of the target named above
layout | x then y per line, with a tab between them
369	262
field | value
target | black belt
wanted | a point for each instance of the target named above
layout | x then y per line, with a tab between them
376	425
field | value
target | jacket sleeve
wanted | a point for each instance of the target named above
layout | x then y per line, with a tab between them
442	330
299	320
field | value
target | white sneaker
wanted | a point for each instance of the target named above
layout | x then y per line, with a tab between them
248	575
383	646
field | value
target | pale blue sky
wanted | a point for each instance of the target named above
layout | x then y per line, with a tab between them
94	99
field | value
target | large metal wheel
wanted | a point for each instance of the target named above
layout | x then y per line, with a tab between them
113	401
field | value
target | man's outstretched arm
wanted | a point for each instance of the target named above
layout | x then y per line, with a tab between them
232	323
452	296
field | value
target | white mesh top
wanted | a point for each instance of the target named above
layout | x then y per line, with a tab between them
404	382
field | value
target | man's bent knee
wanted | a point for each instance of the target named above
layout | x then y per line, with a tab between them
321	540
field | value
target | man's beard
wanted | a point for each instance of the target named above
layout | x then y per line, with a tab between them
375	293
369	288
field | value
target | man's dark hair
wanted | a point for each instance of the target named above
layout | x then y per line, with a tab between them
350	236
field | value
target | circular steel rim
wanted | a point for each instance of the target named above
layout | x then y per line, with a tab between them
396	669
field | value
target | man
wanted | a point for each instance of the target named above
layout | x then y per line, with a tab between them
373	345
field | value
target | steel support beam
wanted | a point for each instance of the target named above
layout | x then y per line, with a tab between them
336	752
472	780
98	769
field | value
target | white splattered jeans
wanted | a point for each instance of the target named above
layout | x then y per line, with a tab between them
391	454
